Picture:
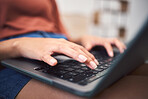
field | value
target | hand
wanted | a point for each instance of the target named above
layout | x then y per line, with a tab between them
42	49
90	41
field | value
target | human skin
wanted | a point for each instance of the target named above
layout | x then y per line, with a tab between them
43	48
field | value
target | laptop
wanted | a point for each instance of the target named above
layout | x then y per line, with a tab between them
77	78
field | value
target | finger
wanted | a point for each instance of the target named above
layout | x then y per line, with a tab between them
90	55
90	65
84	51
71	53
75	54
80	51
109	49
49	60
68	49
119	45
90	62
88	45
124	46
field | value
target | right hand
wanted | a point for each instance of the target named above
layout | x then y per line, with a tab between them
42	49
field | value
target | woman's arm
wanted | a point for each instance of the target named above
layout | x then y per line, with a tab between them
43	48
89	41
8	49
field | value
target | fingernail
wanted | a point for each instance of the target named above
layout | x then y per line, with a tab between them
94	66
96	62
111	54
82	58
52	61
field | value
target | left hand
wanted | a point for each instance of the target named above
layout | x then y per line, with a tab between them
90	41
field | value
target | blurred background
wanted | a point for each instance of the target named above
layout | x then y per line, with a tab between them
106	18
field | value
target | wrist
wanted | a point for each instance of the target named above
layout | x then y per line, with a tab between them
15	46
76	40
9	49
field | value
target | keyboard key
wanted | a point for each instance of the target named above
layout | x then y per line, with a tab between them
72	73
44	70
107	65
95	72
62	71
78	78
66	76
66	66
76	67
85	68
79	71
99	69
88	73
38	68
70	79
101	62
69	69
82	65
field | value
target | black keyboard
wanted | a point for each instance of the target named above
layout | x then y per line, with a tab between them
76	72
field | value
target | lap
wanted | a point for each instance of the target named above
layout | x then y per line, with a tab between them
39	90
133	86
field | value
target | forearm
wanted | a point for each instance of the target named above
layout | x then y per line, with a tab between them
78	40
8	49
75	40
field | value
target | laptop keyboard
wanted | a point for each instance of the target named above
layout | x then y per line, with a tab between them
76	72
